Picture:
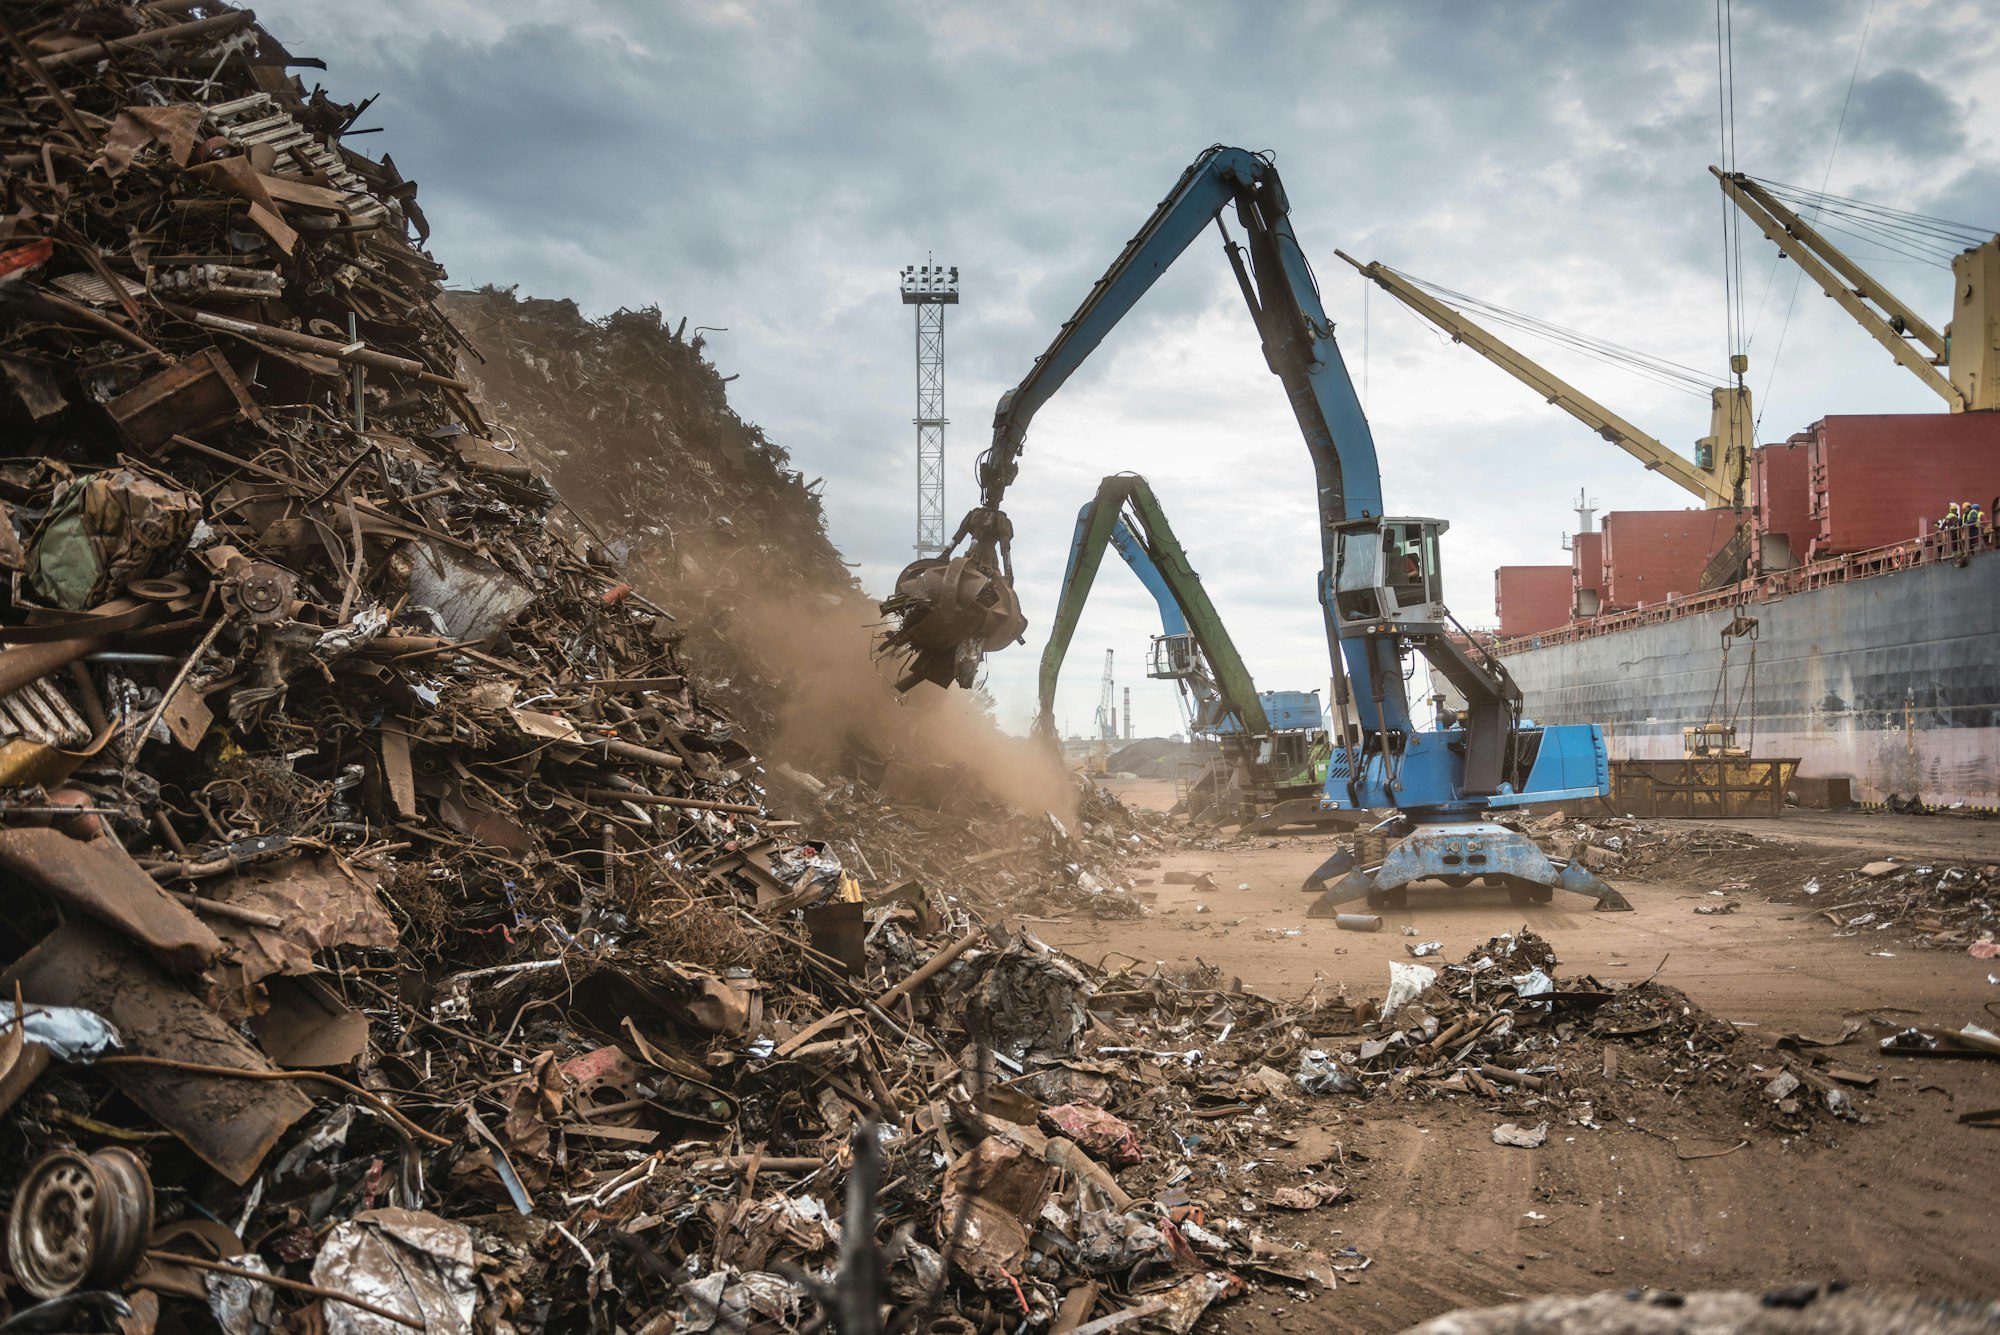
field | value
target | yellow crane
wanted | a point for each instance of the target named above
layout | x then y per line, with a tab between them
1718	474
1969	347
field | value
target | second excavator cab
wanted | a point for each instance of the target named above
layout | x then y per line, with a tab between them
1387	576
1175	658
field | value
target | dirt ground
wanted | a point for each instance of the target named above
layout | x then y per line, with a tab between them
1452	1219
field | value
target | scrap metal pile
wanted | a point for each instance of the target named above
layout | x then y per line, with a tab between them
394	937
935	826
1504	1025
1937	903
1628	847
633	425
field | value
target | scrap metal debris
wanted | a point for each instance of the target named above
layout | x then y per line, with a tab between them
1806	1309
1932	903
401	934
1505	1025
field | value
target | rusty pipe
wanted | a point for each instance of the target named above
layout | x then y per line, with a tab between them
325	347
933	966
25	663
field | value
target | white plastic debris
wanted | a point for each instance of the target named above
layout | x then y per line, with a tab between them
1319	1073
69	1033
1521	1137
1533	983
1406	983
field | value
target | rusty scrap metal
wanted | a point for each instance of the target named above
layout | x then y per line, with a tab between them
407	844
99	878
79	1220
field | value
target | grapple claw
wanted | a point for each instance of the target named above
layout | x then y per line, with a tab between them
949	613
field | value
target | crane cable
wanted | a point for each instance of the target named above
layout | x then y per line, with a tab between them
1826	178
1732	226
1915	236
1671	374
1732	251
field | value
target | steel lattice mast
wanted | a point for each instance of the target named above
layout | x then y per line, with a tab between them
930	288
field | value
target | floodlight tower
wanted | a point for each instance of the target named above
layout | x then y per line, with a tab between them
930	288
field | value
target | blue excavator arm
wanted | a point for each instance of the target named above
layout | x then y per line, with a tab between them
1207	711
1278	286
1172	620
1378	580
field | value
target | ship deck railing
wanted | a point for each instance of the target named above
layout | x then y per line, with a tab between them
1931	549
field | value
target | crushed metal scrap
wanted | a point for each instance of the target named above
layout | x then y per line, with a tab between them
398	935
1504	1024
630	421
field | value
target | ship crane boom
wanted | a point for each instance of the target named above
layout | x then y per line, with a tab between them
1718	487
1893	324
1971	380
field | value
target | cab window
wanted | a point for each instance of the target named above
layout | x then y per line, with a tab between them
1403	558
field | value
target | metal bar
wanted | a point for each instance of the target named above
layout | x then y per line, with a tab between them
1864	284
154	37
325	347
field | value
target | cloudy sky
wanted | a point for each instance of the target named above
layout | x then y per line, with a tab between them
769	166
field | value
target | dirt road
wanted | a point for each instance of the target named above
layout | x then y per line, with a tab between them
1452	1219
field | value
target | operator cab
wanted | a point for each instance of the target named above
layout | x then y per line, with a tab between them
1175	658
1387	576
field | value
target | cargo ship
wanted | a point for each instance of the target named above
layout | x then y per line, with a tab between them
1823	605
1874	661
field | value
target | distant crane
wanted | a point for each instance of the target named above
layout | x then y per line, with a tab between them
1107	713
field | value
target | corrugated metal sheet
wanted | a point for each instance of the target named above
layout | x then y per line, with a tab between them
1784	506
1884	478
1531	598
1653	555
39	713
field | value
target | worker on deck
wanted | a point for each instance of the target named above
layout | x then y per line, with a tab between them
1971	528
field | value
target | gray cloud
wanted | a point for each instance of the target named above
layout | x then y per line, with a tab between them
1902	111
769	165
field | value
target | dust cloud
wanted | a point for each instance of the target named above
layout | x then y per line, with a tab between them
840	696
